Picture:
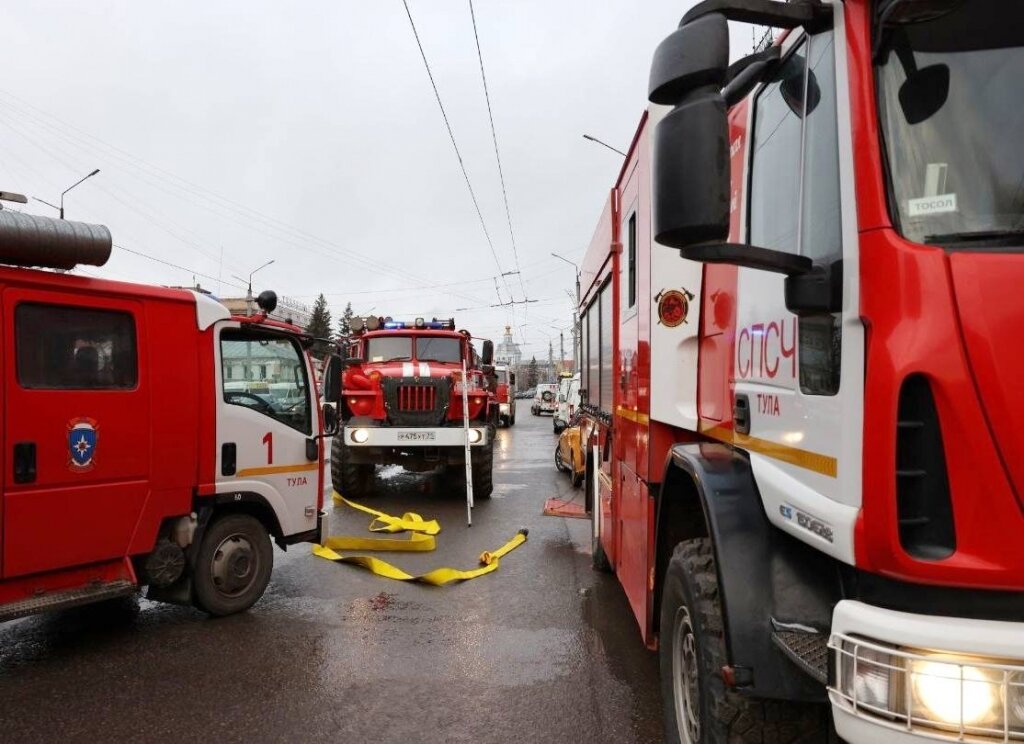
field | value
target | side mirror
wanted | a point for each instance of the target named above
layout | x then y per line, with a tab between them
487	353
330	415
511	378
691	172
487	369
694	56
332	379
924	93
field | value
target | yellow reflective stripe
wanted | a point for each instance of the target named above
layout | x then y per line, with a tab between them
813	461
306	467
635	416
421	540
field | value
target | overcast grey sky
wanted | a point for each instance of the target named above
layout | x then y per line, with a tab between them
232	133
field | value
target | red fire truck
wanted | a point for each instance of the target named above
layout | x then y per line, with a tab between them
401	404
128	460
798	322
506	394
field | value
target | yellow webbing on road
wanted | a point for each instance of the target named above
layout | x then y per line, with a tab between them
421	540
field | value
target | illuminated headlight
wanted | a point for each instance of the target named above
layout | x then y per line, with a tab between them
359	436
504	407
475	435
941	694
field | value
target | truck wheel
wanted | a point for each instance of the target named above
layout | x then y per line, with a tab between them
698	706
233	565
512	420
351	480
482	464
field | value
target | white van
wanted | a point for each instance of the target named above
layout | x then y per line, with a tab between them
568	402
545	400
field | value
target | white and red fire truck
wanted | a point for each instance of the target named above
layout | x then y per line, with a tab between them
128	460
799	323
505	393
401	404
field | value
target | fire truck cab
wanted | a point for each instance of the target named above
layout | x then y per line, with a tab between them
505	393
128	458
798	321
401	403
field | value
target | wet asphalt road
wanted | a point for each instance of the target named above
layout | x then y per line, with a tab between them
544	649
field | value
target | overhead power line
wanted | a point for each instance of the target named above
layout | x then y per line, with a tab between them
451	135
497	152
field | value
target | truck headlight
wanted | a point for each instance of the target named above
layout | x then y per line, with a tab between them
475	435
942	694
359	436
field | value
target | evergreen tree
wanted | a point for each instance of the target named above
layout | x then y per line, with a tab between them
320	325
345	321
532	373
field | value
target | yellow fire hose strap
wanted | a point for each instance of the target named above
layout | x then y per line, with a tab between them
421	540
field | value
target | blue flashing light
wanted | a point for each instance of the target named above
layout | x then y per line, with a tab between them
435	325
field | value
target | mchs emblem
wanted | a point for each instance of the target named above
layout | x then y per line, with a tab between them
673	306
83	434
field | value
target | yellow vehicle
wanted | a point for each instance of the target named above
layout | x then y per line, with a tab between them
569	457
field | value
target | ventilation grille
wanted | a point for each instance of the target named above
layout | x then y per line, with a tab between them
923	504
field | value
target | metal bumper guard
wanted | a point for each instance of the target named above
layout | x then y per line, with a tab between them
419	436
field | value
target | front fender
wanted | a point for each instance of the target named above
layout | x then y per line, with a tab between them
765	577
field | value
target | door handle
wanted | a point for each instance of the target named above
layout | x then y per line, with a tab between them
741	414
25	462
228	458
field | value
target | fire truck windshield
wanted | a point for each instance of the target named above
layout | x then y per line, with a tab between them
951	105
438	349
389	349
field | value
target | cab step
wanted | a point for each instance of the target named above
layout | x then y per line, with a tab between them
50	601
807	649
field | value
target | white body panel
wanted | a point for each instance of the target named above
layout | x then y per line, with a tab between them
418	436
270	456
826	430
674	350
208	311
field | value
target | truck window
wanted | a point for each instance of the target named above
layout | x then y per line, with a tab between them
438	349
279	360
60	347
389	349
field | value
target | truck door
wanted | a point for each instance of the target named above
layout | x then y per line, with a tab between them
262	437
77	429
799	381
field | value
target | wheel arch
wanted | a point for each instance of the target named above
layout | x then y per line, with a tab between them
239	502
708	490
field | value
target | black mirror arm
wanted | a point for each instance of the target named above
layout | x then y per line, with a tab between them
810	14
749	256
744	74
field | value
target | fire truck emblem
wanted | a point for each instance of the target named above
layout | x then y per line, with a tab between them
673	306
83	434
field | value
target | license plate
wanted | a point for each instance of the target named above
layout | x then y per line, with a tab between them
417	436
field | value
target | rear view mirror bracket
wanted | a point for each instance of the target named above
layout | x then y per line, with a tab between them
749	257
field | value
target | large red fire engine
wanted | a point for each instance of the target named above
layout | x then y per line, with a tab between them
129	457
401	404
799	327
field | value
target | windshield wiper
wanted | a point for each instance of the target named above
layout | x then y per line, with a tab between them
399	359
967	237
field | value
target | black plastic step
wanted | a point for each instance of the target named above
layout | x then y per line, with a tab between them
809	651
96	592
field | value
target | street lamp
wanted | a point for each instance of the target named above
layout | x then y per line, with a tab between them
61	207
595	139
248	292
577	332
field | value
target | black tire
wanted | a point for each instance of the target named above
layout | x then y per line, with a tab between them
534	411
560	465
482	466
512	420
351	480
233	566
598	558
691	621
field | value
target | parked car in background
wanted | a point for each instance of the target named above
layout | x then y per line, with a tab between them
545	398
526	394
568	402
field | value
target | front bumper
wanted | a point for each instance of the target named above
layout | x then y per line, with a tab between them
415	436
900	677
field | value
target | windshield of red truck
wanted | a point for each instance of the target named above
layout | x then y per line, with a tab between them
438	349
951	105
389	349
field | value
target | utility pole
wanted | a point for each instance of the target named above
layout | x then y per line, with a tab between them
577	332
561	351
